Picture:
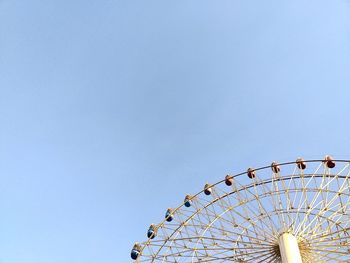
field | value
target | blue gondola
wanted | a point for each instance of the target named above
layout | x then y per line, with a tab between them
135	252
188	201
169	215
152	232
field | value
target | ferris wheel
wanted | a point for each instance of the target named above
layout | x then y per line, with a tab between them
290	212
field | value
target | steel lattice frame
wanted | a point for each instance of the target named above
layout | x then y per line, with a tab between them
242	222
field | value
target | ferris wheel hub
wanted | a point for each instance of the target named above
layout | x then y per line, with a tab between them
289	249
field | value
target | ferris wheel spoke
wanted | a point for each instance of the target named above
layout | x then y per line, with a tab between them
288	199
210	226
331	222
304	199
270	258
279	184
307	220
248	214
275	199
330	255
256	231
322	238
199	251
328	204
221	255
339	243
260	211
322	219
298	193
236	212
254	256
343	248
314	221
310	257
216	241
247	234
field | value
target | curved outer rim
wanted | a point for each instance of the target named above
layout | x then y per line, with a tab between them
145	243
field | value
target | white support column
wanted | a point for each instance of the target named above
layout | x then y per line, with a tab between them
289	249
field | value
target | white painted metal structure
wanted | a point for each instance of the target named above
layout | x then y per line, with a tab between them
288	245
291	212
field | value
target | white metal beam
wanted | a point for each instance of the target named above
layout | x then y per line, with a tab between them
289	248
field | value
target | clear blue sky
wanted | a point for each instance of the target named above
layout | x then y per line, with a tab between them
111	111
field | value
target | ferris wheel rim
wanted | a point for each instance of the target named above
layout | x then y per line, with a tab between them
254	169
